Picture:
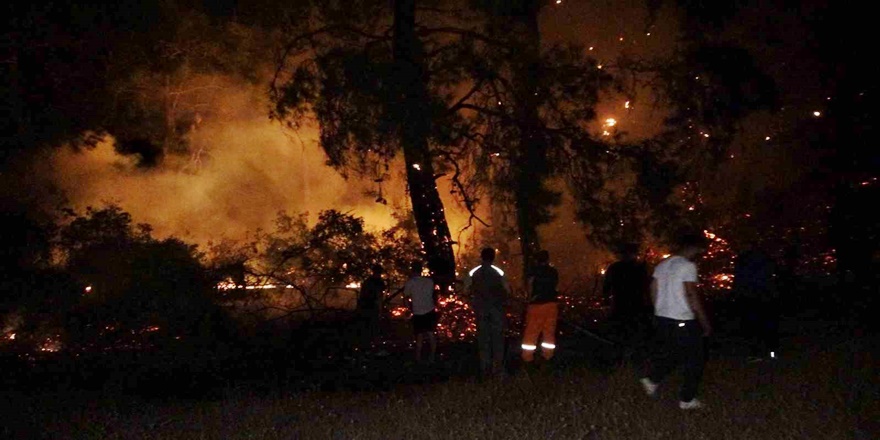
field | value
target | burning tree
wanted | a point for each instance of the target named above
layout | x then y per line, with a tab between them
364	79
297	270
503	115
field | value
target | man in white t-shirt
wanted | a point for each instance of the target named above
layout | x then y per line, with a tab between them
681	320
421	290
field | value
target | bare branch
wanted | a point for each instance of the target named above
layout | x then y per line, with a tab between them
426	31
470	203
457	106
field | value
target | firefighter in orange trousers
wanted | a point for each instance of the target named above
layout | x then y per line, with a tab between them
543	309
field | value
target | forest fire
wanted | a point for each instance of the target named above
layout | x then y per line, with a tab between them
51	344
229	285
262	165
721	257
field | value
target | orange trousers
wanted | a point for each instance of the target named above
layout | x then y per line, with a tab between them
540	321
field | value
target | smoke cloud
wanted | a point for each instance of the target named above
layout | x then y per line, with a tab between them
242	169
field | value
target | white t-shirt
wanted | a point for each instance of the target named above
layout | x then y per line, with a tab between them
671	274
421	290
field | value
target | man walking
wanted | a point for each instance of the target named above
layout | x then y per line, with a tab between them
421	290
543	310
681	320
489	289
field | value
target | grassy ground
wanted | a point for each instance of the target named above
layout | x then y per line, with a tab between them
821	388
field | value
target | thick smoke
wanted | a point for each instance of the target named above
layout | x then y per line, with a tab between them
242	169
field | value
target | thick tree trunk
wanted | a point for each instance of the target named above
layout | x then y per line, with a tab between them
530	159
413	115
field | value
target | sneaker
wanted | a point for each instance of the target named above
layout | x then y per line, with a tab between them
693	404
650	387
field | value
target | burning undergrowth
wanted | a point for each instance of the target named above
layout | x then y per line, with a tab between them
112	287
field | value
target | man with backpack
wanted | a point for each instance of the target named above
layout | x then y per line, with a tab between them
489	289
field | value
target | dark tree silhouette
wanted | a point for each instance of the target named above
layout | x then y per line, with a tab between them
846	136
530	162
707	87
135	70
134	290
525	112
411	111
372	102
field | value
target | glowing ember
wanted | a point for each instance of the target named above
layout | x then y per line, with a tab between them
610	122
88	289
228	285
720	258
400	312
50	345
354	285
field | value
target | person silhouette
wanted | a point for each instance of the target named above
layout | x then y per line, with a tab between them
626	285
369	305
542	311
420	290
489	289
754	285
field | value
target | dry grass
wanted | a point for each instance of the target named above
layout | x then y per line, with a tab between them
811	393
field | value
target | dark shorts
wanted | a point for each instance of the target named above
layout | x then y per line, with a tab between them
425	323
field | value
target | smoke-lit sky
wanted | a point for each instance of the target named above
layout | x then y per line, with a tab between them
249	169
252	168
